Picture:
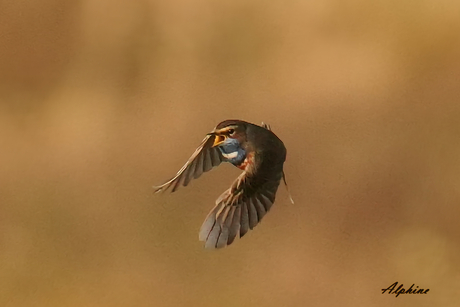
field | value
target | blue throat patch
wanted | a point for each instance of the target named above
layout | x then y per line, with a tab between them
232	151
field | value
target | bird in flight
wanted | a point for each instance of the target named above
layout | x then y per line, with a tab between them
260	154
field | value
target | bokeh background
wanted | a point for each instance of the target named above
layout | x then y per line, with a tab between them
100	100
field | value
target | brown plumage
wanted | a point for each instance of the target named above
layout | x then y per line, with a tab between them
260	154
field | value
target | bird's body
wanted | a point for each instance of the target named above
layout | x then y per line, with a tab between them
260	154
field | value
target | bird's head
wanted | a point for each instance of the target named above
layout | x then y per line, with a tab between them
229	132
230	138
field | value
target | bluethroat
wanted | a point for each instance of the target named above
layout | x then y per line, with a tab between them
260	154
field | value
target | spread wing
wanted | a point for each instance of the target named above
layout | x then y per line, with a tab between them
203	159
239	209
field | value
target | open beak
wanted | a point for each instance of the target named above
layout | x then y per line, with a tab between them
218	139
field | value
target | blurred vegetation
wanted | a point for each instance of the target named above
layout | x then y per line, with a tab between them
100	100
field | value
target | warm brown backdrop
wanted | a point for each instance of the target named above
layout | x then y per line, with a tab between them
100	100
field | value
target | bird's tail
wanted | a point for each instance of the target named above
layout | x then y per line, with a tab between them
287	188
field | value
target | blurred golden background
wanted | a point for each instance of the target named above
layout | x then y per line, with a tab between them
100	100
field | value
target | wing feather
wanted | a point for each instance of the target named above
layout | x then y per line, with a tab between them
203	159
199	165
235	226
238	210
259	207
267	202
216	157
207	161
252	213
244	220
188	174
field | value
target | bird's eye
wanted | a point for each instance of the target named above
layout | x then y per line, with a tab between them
231	131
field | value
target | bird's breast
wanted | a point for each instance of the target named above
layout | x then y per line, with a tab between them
232	151
247	162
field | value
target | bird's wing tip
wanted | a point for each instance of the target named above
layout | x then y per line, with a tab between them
156	190
266	126
159	188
